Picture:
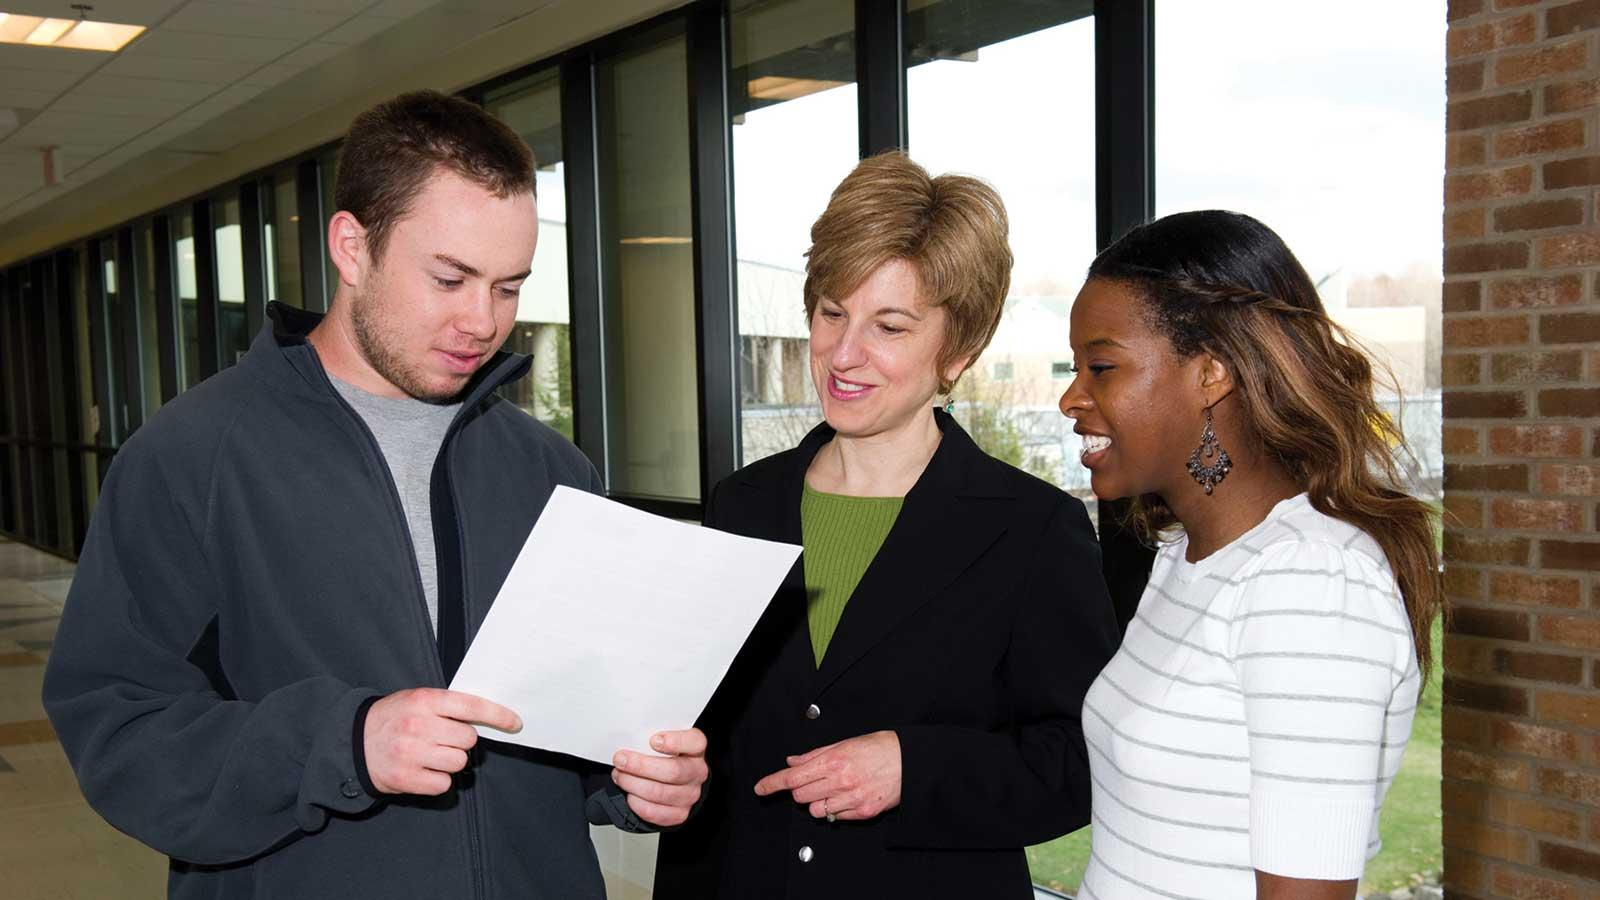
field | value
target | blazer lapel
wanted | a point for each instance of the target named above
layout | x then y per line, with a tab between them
796	660
949	519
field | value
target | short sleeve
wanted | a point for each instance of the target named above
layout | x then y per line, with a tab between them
1322	646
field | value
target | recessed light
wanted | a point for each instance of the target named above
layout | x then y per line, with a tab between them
81	33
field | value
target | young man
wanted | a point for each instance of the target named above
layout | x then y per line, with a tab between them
288	562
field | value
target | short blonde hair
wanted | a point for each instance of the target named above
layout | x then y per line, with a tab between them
952	230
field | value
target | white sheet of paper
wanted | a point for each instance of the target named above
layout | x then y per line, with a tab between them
615	624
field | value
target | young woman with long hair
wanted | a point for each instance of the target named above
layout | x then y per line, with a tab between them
1242	739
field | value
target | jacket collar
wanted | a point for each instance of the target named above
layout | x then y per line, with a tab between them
282	354
954	513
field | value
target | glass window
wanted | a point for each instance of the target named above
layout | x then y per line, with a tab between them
647	263
230	280
114	421
544	318
280	218
792	96
149	340
89	421
1337	149
188	289
976	71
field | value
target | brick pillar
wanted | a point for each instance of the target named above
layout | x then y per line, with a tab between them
1521	374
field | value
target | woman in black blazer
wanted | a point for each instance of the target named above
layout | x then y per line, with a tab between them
913	744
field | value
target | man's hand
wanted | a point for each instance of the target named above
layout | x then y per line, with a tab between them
662	791
416	739
852	780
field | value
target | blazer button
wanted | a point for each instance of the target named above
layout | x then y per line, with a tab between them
813	711
351	789
806	854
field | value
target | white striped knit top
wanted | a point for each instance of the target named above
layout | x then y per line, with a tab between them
1254	716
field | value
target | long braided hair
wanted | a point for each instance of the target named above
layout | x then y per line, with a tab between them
1225	284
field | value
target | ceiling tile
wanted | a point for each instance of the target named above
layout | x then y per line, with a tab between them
252	20
19	98
195	70
359	29
401	9
38	79
104	85
78	101
272	74
230	47
314	53
60	118
347	7
50	59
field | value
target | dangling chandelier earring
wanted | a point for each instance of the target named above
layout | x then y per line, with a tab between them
1209	463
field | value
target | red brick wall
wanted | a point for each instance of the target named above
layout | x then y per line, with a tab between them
1521	374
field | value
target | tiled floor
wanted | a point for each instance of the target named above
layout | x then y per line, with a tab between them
52	845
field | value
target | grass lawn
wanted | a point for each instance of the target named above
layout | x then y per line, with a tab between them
1409	823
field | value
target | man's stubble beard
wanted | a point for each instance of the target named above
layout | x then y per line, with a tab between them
373	340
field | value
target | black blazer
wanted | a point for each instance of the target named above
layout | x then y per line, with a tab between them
974	635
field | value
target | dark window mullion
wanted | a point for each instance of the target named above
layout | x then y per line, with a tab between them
1124	37
77	509
881	75
579	152
56	343
12	369
313	241
253	256
10	447
167	349
205	287
129	284
100	355
34	388
711	185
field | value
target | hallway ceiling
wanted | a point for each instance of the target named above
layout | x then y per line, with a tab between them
205	77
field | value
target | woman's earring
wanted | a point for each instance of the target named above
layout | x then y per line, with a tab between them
1209	463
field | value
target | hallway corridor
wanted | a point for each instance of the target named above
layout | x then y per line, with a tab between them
52	845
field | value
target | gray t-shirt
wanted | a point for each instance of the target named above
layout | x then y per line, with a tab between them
410	433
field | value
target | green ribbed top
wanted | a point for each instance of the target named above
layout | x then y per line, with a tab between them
841	535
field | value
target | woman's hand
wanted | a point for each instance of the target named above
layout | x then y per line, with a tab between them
852	780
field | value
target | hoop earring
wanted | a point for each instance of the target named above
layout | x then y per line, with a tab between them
1210	451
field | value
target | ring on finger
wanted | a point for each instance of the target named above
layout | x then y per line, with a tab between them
825	810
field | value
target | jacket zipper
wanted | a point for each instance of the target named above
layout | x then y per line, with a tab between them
397	508
468	797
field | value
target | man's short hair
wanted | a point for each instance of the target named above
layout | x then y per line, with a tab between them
952	230
393	148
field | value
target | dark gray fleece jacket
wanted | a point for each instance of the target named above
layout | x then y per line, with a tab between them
248	588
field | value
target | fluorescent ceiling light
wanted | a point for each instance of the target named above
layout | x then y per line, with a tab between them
103	36
776	87
654	241
48	30
74	34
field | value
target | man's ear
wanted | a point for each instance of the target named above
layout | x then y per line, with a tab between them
1216	379
347	248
